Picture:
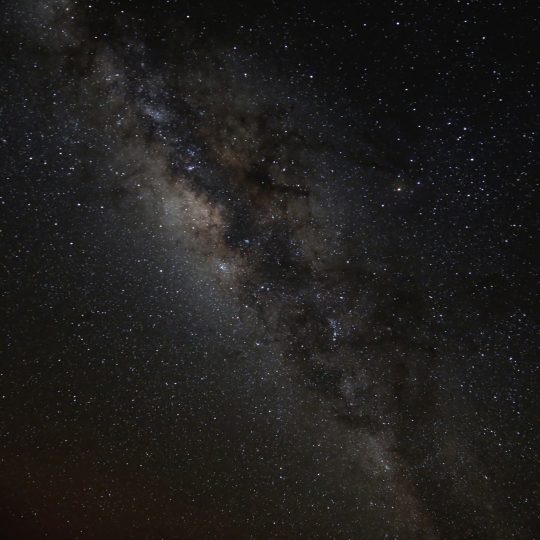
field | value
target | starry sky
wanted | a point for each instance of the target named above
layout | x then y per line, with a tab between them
268	269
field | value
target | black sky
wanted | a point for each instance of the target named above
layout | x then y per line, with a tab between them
268	270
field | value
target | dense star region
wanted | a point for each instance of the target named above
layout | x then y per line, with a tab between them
268	270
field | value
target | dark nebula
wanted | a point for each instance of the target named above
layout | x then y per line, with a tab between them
268	270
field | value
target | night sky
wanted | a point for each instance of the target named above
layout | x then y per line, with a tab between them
268	270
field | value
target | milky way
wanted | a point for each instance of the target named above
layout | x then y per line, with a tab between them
254	304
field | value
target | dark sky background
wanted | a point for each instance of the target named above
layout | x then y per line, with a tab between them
268	270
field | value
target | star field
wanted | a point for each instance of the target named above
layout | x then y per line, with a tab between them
268	270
